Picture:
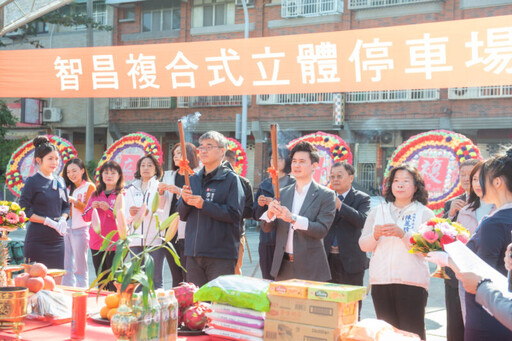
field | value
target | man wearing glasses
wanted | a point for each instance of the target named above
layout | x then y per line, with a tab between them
346	260
212	207
302	219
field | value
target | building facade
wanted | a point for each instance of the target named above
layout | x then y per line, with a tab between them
374	123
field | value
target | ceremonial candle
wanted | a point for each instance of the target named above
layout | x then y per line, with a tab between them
78	316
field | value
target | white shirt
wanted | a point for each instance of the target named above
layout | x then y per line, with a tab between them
301	223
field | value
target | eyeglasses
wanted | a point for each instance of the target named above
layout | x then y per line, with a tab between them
336	177
206	148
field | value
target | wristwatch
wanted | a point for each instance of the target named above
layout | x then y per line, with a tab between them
482	281
294	218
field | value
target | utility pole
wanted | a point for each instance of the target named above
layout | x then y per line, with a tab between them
245	97
89	126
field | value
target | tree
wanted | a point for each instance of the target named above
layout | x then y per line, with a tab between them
7	147
58	17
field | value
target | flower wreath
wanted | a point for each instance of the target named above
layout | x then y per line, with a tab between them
332	144
23	157
148	144
458	148
241	156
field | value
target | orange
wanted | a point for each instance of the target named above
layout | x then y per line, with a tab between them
111	313
104	312
112	301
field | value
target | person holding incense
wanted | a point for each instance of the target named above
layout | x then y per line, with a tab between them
301	219
263	197
171	185
212	206
142	191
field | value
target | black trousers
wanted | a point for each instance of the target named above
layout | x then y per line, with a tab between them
201	270
266	252
454	322
340	276
178	274
97	256
402	306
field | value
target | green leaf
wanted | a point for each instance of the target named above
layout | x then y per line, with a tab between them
149	266
174	255
128	277
107	240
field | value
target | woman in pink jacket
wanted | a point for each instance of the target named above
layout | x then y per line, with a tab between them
111	184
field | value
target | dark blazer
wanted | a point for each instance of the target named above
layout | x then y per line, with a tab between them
452	281
449	203
347	227
310	260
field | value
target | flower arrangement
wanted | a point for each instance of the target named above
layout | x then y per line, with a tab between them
331	144
241	157
435	233
445	145
20	165
129	267
143	142
12	216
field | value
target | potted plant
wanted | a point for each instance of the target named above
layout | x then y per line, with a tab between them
130	269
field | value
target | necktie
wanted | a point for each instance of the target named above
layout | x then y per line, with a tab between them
335	241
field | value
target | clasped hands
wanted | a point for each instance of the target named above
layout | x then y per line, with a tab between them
101	204
275	209
171	188
60	226
387	230
193	200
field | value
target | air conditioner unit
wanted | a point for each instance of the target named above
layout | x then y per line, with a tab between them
248	2
387	139
266	99
460	93
52	115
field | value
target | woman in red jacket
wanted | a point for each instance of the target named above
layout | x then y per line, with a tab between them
111	184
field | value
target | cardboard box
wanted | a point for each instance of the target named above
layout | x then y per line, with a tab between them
336	292
288	331
312	312
317	290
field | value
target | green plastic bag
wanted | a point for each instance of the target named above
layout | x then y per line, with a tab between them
238	291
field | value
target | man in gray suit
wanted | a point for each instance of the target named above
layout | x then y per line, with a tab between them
302	220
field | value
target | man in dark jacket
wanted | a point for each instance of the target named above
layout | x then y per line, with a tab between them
212	207
230	157
346	260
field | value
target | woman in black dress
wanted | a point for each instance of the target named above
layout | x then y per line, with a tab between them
46	204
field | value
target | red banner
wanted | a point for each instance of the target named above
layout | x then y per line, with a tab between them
462	53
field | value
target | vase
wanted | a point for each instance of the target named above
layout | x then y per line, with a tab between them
440	272
4	255
124	323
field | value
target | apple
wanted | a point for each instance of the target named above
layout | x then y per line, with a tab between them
21	280
38	270
34	284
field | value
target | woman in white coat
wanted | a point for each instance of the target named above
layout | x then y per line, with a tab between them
142	191
171	185
399	279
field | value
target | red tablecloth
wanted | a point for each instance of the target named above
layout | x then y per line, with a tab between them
93	332
44	331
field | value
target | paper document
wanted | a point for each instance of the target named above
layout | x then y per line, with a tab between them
467	261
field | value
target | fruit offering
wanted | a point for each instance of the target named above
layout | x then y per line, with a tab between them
110	307
36	279
194	317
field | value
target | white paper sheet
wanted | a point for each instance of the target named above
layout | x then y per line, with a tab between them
467	261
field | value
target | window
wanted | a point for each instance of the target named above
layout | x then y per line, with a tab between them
41	27
310	8
99	12
213	13
127	14
156	17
